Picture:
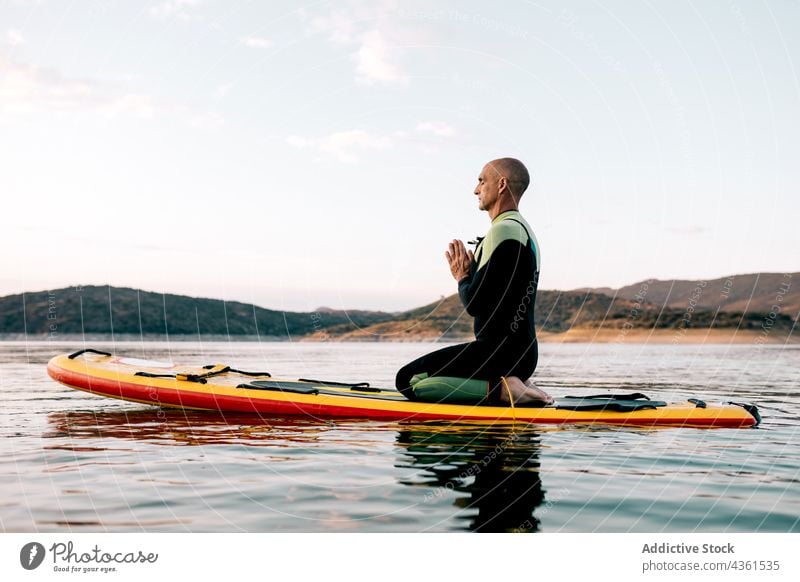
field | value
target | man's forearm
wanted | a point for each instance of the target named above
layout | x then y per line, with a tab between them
465	294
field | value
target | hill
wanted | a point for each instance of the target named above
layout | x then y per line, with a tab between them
96	310
650	306
752	293
565	313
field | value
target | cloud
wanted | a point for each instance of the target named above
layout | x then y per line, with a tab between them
342	28
207	121
374	61
256	42
13	37
688	230
141	106
346	146
174	8
438	128
343	145
374	49
27	89
222	91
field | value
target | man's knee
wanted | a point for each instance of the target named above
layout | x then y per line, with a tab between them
403	378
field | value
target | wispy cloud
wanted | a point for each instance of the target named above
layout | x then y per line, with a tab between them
438	128
26	89
256	42
221	92
688	230
348	146
344	146
13	37
374	61
141	106
207	121
341	27
175	9
375	51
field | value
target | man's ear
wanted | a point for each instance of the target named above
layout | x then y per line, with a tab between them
502	185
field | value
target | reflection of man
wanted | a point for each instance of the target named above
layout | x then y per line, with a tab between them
492	475
498	288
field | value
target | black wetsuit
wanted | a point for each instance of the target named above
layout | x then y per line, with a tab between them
500	293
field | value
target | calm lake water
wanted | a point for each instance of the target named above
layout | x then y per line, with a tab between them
70	461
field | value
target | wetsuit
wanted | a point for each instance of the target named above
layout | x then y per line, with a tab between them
499	292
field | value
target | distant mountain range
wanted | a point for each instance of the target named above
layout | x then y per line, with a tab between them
740	303
760	302
99	310
738	293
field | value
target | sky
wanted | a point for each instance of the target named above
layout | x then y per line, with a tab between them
298	155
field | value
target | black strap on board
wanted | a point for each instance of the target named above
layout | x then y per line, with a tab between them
697	402
199	378
359	386
279	387
608	404
87	351
751	408
633	396
203	378
242	372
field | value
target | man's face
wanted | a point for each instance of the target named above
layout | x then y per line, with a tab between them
487	189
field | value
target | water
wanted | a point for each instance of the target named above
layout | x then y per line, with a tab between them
70	461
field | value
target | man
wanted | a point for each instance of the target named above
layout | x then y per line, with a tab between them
497	285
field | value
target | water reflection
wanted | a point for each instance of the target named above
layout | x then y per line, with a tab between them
185	427
493	470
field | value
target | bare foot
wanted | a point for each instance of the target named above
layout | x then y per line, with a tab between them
524	393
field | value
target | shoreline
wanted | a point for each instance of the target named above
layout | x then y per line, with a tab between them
576	335
671	337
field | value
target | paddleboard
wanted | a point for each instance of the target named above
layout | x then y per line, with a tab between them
220	387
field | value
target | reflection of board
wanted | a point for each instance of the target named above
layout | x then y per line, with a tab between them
221	388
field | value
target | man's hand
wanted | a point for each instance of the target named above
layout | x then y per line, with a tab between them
459	258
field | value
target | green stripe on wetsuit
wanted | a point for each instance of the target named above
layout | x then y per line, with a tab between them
507	226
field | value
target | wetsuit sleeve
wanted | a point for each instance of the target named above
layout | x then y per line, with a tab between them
485	288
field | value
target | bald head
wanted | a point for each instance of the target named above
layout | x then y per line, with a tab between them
515	173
